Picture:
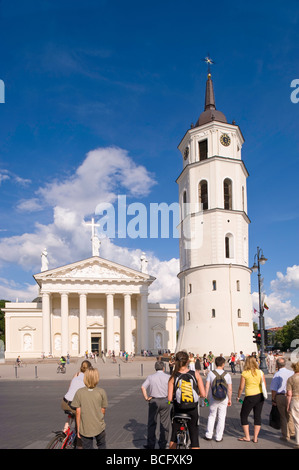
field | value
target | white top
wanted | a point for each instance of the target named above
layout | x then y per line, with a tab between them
75	384
211	376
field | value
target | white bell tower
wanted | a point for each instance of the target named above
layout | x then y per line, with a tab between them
215	292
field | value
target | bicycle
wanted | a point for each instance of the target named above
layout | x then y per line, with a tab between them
65	439
61	368
20	364
182	437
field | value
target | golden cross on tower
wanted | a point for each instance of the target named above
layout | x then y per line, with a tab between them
209	62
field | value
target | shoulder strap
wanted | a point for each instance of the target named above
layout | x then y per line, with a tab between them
217	374
177	377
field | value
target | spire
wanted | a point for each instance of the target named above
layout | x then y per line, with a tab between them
210	113
210	97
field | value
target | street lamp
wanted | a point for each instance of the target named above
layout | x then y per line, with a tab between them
259	260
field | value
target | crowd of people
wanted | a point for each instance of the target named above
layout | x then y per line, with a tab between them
207	361
191	381
217	394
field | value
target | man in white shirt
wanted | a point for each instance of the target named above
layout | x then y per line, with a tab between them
218	407
155	392
279	399
241	361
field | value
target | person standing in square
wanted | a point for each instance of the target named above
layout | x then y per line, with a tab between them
155	390
278	388
91	403
218	408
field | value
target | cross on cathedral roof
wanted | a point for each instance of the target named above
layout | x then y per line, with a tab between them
95	241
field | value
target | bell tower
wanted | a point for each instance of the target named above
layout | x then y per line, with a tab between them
215	292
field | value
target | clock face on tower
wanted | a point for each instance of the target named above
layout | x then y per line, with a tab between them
225	140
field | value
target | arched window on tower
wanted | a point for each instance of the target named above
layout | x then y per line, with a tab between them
203	195
229	246
184	208
228	194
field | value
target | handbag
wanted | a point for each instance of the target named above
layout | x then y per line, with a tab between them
264	389
274	418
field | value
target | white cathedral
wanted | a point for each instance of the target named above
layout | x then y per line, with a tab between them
98	305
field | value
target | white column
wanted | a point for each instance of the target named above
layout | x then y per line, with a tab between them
144	321
83	323
110	321
46	323
127	323
64	323
139	334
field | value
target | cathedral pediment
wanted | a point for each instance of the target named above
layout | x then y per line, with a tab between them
93	269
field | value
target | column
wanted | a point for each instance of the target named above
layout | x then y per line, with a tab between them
110	321
144	321
46	323
83	323
127	323
64	324
139	346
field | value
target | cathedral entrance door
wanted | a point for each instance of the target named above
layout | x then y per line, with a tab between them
96	342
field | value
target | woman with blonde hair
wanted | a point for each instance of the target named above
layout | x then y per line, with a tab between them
251	379
293	399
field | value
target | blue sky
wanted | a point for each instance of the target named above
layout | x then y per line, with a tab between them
127	78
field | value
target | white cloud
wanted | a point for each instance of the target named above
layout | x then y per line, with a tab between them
289	281
3	177
280	310
166	288
6	175
22	181
105	173
282	300
13	292
29	205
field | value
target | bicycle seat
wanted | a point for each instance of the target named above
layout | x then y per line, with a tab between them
181	416
70	413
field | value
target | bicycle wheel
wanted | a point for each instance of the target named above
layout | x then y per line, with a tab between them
181	440
57	441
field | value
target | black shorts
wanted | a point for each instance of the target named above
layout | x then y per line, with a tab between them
255	403
192	425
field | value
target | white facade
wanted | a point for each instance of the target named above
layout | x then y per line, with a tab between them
215	292
89	305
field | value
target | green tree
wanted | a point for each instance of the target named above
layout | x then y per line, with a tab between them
288	333
2	321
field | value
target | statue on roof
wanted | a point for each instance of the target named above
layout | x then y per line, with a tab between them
45	262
